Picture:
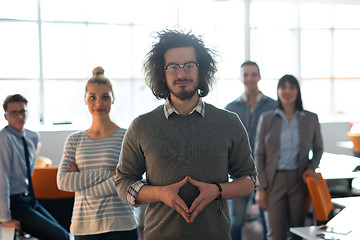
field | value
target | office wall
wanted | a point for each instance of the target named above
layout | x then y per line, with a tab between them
52	144
332	132
335	133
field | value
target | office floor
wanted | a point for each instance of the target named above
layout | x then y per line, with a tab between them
252	230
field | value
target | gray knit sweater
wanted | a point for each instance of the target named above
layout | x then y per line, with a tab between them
205	148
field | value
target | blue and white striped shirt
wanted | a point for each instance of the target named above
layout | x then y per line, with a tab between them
97	207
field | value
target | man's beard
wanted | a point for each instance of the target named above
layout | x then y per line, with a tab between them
184	94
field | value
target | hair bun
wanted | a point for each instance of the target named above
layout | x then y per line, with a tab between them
98	71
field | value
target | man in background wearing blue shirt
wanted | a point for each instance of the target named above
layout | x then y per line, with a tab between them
18	205
249	106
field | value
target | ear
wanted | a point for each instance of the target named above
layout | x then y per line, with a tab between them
113	100
5	116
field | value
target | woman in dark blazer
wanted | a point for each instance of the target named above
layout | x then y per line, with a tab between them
285	137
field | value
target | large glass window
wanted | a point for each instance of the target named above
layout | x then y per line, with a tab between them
19	47
48	57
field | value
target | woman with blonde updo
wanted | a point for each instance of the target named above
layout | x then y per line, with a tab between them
88	169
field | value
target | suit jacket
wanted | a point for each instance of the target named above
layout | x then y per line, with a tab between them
267	145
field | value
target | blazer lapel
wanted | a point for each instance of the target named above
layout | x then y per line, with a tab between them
302	121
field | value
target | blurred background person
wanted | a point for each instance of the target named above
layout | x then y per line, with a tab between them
249	107
285	137
19	207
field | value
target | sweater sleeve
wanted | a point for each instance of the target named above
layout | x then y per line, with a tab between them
131	166
77	181
241	163
102	189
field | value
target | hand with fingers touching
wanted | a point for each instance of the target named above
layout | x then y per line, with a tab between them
208	193
170	196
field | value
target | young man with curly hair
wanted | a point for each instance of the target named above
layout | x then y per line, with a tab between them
186	147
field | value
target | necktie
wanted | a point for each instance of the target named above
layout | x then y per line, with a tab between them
27	160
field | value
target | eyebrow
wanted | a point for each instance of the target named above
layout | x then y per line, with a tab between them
191	61
90	93
23	109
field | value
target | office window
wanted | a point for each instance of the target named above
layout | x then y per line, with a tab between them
346	53
317	97
347	16
316	60
10	9
49	56
316	16
272	39
272	50
347	97
64	50
70	50
19	47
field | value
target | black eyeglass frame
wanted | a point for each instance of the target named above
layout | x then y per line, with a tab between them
182	65
22	112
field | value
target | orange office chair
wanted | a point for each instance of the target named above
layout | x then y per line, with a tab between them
45	186
320	197
58	203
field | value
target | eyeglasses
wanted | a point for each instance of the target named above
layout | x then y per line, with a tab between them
188	67
22	112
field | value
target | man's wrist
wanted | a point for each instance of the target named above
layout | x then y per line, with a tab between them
220	191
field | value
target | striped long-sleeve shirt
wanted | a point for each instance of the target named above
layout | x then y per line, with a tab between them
97	207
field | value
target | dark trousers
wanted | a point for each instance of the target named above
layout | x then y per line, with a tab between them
118	235
35	220
238	214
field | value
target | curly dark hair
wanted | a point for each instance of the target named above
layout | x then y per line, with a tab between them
155	61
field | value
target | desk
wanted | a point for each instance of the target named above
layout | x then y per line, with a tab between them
346	222
345	144
338	166
6	233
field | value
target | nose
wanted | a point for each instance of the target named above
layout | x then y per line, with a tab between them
99	102
181	74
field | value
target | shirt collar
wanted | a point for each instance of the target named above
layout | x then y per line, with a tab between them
169	109
244	97
278	111
15	132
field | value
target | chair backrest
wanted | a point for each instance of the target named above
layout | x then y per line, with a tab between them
320	197
42	161
355	139
45	186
